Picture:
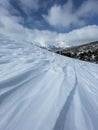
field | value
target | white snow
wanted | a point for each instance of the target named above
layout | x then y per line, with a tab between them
40	90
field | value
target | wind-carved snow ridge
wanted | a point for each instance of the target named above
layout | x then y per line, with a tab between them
40	90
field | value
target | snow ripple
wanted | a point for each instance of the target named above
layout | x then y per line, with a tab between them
40	90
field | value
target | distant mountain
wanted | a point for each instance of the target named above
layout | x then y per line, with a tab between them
53	45
86	52
52	48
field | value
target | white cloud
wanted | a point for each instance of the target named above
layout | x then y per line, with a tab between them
88	9
66	15
5	3
80	36
9	25
28	5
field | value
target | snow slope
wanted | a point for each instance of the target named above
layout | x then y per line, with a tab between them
40	90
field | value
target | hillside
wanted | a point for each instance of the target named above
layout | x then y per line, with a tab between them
86	52
41	90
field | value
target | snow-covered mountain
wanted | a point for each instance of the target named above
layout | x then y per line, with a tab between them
57	44
86	52
41	90
52	45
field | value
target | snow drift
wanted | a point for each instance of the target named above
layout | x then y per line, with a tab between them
40	90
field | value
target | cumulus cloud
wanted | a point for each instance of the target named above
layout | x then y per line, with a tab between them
66	15
80	36
88	9
10	26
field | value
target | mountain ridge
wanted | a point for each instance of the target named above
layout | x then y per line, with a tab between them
86	52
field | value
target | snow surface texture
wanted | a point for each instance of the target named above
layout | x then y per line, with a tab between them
40	90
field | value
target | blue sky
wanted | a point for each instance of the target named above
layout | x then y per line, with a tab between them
41	14
50	19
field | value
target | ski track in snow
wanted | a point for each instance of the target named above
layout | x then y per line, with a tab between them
40	90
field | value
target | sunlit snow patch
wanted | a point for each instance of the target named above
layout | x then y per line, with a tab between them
40	90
